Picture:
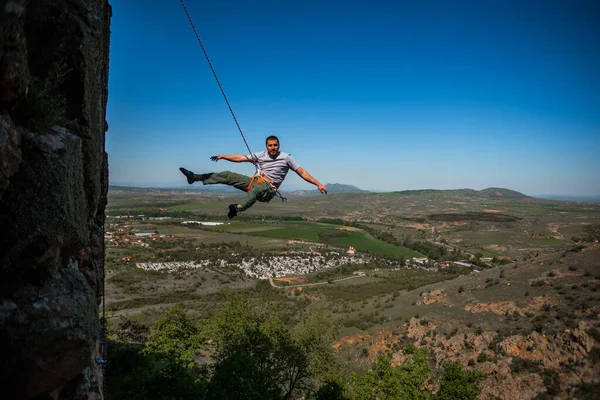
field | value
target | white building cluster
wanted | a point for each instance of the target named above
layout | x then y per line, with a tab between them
291	263
294	264
205	223
171	266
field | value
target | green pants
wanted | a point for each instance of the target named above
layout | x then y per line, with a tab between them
262	192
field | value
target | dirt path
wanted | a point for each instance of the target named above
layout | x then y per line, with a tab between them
311	284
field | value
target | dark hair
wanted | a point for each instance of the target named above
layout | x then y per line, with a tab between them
272	138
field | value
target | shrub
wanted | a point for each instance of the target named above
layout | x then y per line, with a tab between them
407	378
452	333
594	355
458	383
332	389
594	333
519	365
547	307
44	106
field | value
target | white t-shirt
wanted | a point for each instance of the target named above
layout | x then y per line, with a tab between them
275	168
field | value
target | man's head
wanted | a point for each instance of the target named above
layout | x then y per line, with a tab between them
272	146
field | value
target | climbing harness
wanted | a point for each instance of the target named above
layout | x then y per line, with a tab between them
259	174
260	177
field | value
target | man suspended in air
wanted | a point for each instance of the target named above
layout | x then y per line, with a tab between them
274	166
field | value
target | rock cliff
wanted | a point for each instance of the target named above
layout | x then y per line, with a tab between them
53	185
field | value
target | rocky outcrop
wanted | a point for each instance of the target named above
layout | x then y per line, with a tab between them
510	307
53	186
435	296
515	366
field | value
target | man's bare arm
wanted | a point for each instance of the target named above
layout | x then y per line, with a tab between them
308	178
232	158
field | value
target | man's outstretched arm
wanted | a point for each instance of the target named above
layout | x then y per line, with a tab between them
232	158
308	178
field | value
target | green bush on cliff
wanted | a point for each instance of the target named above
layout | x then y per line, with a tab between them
44	106
457	383
406	381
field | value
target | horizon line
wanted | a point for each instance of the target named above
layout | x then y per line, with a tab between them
159	185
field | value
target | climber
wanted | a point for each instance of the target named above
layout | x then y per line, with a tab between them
263	186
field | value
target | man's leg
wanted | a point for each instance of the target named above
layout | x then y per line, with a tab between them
236	180
259	192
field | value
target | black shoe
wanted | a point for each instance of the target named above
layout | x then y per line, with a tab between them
233	211
188	174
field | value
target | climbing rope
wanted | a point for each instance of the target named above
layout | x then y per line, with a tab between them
254	160
104	356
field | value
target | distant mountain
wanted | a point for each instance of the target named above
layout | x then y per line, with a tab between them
342	188
332	188
494	193
223	189
418	192
500	193
566	197
338	188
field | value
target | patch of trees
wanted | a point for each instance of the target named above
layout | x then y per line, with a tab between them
339	221
474	216
414	219
246	351
278	218
432	251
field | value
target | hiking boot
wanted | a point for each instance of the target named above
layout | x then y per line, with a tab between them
188	174
233	211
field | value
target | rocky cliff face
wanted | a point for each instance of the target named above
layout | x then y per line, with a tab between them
53	185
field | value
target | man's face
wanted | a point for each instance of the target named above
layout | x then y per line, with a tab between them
273	147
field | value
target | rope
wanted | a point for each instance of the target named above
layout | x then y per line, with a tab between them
104	357
97	227
254	160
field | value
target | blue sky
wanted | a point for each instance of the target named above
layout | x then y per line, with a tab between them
384	95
